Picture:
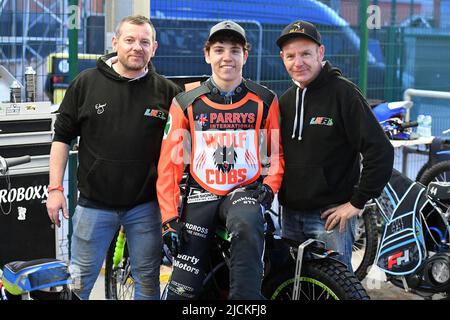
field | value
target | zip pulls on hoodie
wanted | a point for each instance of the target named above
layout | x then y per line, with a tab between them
302	111
302	106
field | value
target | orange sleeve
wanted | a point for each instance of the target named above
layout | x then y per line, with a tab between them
274	147
171	164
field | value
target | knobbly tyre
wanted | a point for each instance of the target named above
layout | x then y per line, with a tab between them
40	279
437	172
299	271
365	245
437	167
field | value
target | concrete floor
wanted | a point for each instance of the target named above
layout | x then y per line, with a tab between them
378	289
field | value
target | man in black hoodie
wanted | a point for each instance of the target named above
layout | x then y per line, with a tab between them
119	110
326	124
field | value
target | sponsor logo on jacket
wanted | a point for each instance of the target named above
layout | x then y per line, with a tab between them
232	120
202	119
155	113
322	121
197	195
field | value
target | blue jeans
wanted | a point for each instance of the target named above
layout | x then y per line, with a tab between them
93	230
303	225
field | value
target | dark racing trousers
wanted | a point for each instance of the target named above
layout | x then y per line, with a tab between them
243	218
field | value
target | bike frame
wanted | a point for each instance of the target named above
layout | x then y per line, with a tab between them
425	212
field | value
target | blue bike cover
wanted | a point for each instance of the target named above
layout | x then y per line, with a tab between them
25	276
402	248
387	110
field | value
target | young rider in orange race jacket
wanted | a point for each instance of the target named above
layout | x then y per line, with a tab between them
221	129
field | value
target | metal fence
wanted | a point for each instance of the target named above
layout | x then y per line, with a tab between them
32	32
398	56
183	26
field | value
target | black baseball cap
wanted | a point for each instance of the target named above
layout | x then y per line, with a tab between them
228	26
299	28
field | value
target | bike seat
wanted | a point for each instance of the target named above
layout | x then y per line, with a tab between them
439	190
17	266
26	276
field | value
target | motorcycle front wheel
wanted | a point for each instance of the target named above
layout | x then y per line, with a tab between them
324	279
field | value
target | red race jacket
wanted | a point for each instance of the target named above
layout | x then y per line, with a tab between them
225	145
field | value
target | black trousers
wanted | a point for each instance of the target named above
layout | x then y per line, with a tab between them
244	220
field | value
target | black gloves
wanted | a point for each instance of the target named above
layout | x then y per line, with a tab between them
262	193
171	231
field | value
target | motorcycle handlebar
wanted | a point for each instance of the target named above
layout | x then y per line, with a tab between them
410	124
6	163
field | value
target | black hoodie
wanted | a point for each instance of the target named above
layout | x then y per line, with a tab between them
324	128
120	123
